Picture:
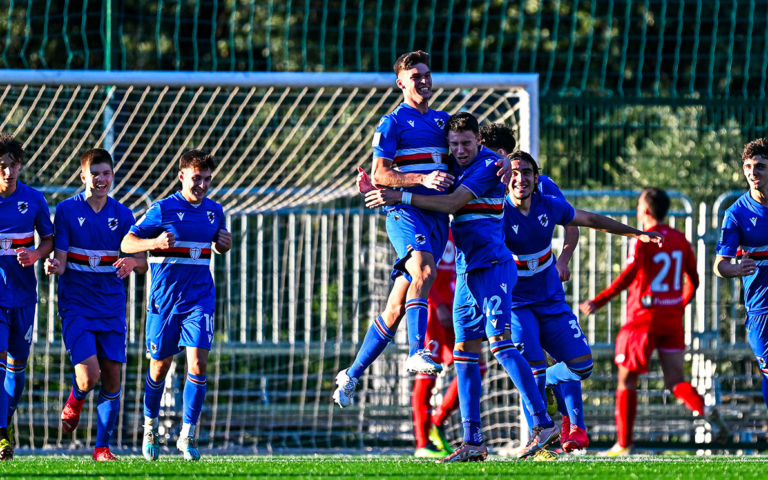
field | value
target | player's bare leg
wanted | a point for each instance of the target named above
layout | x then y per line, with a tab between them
194	395
107	408
380	333
421	267
6	447
672	362
626	408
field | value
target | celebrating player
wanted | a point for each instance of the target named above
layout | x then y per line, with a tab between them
655	307
409	153
89	229
486	278
23	211
178	232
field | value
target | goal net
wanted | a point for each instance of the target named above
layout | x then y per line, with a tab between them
309	269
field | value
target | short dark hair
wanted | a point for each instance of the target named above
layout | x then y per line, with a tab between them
755	148
497	135
9	144
95	156
524	156
406	61
657	201
462	122
197	159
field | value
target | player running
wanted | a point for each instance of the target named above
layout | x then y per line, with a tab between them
486	278
655	307
23	211
409	153
89	229
178	232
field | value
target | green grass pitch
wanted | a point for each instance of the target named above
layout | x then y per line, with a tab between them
279	467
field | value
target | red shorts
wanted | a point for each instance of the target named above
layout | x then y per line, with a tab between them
444	339
638	339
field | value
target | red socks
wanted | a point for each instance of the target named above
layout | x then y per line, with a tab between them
422	394
451	399
626	408
690	397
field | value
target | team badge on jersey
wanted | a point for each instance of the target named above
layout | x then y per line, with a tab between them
421	239
195	252
94	261
112	222
211	217
533	264
646	301
6	243
23	207
544	220
437	158
153	347
440	122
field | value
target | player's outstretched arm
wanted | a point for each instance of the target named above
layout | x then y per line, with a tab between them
28	256
56	265
438	203
725	269
608	225
133	244
383	175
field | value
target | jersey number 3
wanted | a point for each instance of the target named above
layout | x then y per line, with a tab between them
659	283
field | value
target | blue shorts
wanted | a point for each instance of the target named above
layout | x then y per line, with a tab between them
548	326
168	334
483	301
16	326
88	336
757	335
412	229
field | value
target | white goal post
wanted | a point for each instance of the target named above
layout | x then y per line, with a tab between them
309	269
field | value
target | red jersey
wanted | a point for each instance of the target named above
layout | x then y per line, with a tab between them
655	278
442	290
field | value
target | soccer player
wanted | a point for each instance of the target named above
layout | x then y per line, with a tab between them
657	298
88	230
23	211
409	153
486	278
178	232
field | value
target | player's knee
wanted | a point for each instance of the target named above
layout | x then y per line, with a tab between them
88	381
393	312
425	274
198	366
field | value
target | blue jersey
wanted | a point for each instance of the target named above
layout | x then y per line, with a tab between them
530	240
548	187
745	229
21	214
89	286
181	276
477	226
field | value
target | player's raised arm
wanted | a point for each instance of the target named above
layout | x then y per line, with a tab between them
604	224
438	203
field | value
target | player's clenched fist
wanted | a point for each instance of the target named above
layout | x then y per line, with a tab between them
747	267
223	241
652	237
25	256
438	180
52	267
588	308
165	241
383	198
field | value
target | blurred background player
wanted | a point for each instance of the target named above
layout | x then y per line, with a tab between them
431	440
180	232
89	229
23	211
744	237
656	304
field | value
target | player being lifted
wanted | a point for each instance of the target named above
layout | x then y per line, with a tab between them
23	211
541	318
409	153
655	308
89	228
178	232
486	278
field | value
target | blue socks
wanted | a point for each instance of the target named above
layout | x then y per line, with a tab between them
765	390
76	392
569	372
561	408
520	373
107	409
194	396
574	402
416	312
470	388
4	398
153	393
15	379
375	341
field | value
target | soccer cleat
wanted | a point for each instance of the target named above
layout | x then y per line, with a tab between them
545	455
421	362
437	435
541	437
188	446
150	445
577	439
466	453
618	451
102	454
720	430
430	451
70	416
565	431
346	386
6	450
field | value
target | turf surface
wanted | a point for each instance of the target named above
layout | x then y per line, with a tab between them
637	468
